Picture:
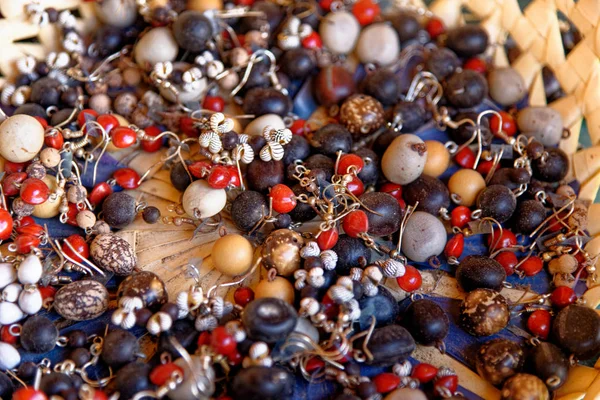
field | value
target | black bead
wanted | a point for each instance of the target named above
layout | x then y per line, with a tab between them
553	167
27	370
535	149
332	138
192	31
366	390
383	307
6	386
76	338
430	192
549	364
465	132
298	63
551	84
282	221
142	316
151	214
257	143
179	176
577	330
52	14
61	116
177	76
529	215
263	175
269	319
407	25
69	97
383	85
22	80
118	210
467	40
320	162
312	262
261	101
55	383
383	212
512	178
426	321
383	141
32	109
263	383
351	253
184	332
466	89
108	40
80	356
120	347
230	140
297	149
38	335
45	92
475	272
171	309
302	212
309	291
411	114
352	369
133	378
273	16
370	172
41	68
498	202
390	344
442	62
248	209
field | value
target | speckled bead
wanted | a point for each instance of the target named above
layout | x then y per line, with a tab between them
81	300
281	251
361	114
484	312
147	286
114	254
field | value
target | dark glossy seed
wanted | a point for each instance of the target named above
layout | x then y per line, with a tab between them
283	221
133	378
69	97
32	109
263	175
498	202
6	386
80	356
498	360
477	271
431	193
179	176
383	141
55	383
383	212
118	210
27	370
467	40
466	131
551	84
120	347
366	389
549	364
248	209
535	150
410	114
426	321
184	332
553	167
383	307
61	116
273	15
322	163
38	335
230	140
370	171
383	85
297	149
45	92
351	252
577	330
257	143
302	212
442	62
147	286
76	338
108	40
529	215
332	138
269	319
466	89
406	24
261	101
192	30
151	214
22	80
390	344
512	178
333	84
298	63
263	383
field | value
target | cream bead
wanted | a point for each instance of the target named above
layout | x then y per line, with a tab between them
424	237
256	126
339	32
50	157
9	357
157	45
207	200
30	300
404	159
438	158
8	274
21	138
11	292
465	186
117	13
50	208
406	394
232	255
378	44
30	270
279	288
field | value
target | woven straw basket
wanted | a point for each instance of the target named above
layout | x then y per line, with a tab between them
164	248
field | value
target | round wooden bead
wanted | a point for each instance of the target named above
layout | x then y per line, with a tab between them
281	251
113	253
232	255
279	288
506	86
257	125
424	237
438	158
404	159
200	200
118	210
543	123
85	219
484	312
204	5
116	12
157	45
465	186
51	207
406	394
81	300
50	157
378	44
498	360
339	32
21	138
524	387
361	114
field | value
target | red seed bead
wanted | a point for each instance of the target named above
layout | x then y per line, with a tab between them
28	220
99	395
123	137
424	372
284	199
101	191
163	372
355	223
475	64
532	266
460	216
29	393
213	103
108	122
47	292
435	27
563	296
8	337
455	246
25	243
366	11
79	244
502	240
538	323
298	127
204	339
465	158
30	229
355	186
392	188
42	121
449	382
485	167
244	2
312	41
222	342
12	167
219	177
72	214
186	126
243	295
34	191
86	115
508	260
234	181
386	382
234	358
152	146
127	178
509	125
350	163
411	280
200	169
330	308
11	184
6	224
314	364
328	239
326	4
54	139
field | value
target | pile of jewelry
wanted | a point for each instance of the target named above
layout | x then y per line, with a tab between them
421	204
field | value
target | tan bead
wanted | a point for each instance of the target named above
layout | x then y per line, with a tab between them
21	138
201	197
116	12
157	45
76	194
257	125
2	162
406	394
50	157
100	103
565	264
204	5
86	219
281	251
232	255
465	185
50	208
404	159
132	76
279	288
438	158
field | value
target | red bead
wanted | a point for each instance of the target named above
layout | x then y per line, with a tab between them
72	214
28	220
12	167
200	169
284	199
221	341
29	393
460	216
8	337
475	64
326	4
213	103
244	2
532	266
386	382
6	224
187	127
101	191
54	139
34	191
355	186
234	181
502	240
298	127
42	121
538	323
484	167
127	178
392	188
314	364
204	339
350	163
243	295
108	122
366	11
554	225
312	41
449	382
435	27
424	372
30	229
411	280
219	177
508	260
11	184
355	223
86	115
327	239
152	146
47	292
123	137
234	358
563	296
509	125
99	395
455	246
25	243
330	308
163	372
79	244
465	158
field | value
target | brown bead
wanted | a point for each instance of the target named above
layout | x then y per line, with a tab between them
232	255
361	114
465	185
498	360
333	84
145	285
279	288
524	387
484	312
438	158
281	251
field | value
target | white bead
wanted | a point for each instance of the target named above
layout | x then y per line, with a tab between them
378	44
258	350
159	322
202	197
30	270
10	313
310	249
21	138
11	292
58	60
339	32
329	259
157	45
117	13
257	126
9	357
26	65
8	274
30	300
